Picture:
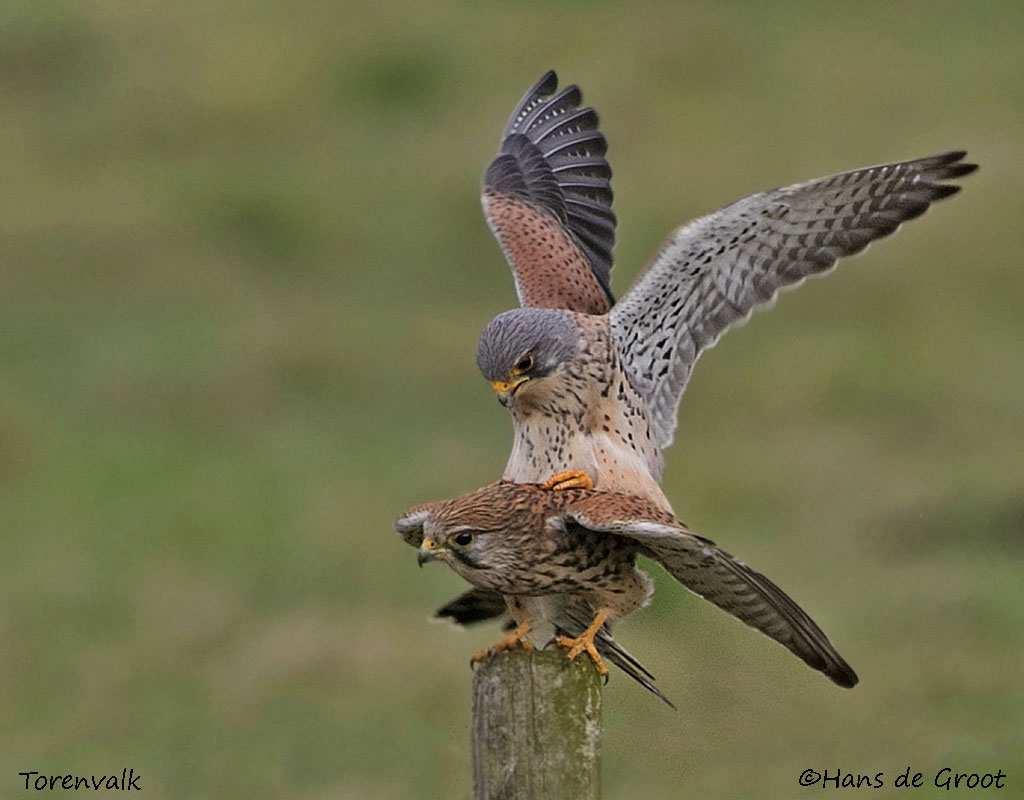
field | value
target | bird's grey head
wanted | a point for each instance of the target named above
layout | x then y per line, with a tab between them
525	344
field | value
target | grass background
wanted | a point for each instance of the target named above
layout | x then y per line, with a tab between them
244	271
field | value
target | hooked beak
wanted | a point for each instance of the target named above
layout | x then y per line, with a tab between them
506	389
428	551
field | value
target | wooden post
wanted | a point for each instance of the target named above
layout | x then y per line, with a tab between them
536	727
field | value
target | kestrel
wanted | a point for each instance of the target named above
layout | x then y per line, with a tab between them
552	555
594	386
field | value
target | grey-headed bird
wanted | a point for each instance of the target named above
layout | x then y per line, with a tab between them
594	386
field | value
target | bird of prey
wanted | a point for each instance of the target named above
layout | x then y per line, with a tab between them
579	548
594	386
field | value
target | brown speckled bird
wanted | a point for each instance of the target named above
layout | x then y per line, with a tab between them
594	386
579	547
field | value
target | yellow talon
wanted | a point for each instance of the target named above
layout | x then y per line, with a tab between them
569	479
585	643
514	638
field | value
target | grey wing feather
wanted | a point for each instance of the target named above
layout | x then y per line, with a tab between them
716	270
553	156
710	572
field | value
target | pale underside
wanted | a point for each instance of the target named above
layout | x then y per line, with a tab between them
548	200
588	417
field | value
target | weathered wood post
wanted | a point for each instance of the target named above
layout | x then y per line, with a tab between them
536	727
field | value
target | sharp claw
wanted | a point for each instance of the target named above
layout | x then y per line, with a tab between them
569	479
584	643
514	639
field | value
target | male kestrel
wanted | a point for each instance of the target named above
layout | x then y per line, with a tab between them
555	555
593	386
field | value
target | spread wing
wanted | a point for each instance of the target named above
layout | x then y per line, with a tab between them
706	570
547	197
716	270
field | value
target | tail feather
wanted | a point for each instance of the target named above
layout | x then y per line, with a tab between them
480	605
573	625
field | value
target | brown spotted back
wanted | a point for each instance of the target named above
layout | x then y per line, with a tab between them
505	504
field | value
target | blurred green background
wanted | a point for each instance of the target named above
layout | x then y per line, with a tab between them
244	274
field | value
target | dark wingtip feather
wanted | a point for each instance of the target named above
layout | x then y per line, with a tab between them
947	166
957	171
546	85
562	145
843	675
806	640
475	605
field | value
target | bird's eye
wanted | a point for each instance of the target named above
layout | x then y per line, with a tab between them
464	538
525	364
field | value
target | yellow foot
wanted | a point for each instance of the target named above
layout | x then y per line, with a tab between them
514	638
584	643
569	479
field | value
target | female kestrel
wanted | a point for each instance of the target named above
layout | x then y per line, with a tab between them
552	554
594	386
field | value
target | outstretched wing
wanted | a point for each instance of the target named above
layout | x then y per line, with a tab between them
713	574
716	270
547	197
